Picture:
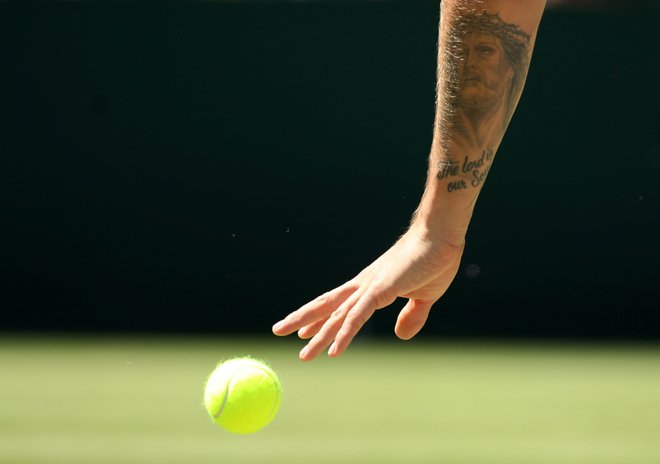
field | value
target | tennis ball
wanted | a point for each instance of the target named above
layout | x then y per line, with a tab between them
242	395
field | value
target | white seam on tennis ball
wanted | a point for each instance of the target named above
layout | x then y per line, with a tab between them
224	400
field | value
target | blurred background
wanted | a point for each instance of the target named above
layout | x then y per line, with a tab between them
176	176
210	166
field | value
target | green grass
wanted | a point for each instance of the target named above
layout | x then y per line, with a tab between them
133	400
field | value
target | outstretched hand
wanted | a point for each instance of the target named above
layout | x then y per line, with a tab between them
415	267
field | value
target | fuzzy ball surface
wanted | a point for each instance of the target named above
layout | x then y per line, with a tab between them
242	395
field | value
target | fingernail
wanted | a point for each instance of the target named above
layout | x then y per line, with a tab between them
303	352
333	349
278	325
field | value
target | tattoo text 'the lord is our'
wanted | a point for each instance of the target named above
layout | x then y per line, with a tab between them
475	169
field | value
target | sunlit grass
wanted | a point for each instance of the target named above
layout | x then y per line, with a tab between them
138	400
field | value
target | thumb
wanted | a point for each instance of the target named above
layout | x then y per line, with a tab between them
412	318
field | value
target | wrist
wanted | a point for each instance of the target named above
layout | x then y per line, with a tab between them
442	215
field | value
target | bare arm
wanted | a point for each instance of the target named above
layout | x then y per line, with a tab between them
483	56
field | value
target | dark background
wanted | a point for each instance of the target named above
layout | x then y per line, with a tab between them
209	167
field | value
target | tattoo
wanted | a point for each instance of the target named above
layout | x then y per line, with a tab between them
481	71
471	172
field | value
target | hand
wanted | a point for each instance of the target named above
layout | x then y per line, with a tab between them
416	267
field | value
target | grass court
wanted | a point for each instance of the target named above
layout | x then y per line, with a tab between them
138	400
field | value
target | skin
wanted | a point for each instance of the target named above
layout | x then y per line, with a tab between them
470	123
485	76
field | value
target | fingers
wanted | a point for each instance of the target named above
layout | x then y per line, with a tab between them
318	309
312	329
345	322
327	333
412	318
355	319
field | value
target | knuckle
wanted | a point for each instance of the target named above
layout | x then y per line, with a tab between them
355	320
323	299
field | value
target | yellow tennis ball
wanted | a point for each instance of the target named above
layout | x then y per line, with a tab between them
242	395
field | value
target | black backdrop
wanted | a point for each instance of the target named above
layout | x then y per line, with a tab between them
186	166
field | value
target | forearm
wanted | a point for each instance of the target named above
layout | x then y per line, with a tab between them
484	51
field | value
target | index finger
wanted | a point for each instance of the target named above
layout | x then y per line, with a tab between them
319	308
